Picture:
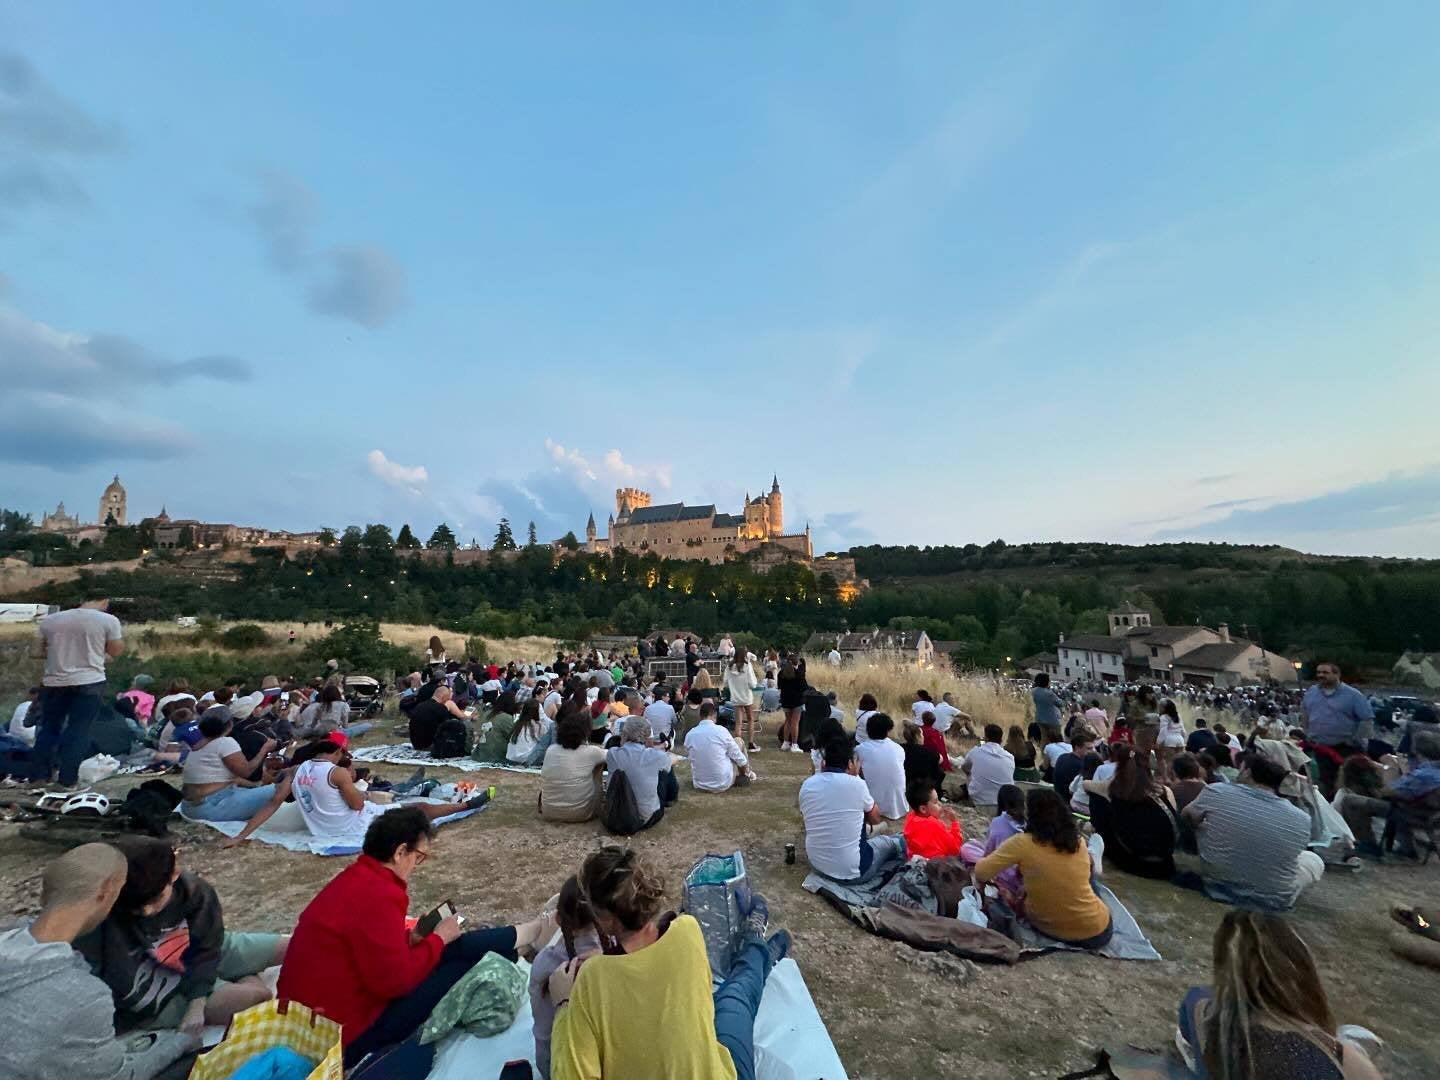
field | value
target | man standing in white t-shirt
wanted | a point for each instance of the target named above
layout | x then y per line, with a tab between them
75	645
836	806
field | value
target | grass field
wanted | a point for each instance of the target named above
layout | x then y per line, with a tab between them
893	1013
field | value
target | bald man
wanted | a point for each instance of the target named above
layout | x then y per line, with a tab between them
62	1017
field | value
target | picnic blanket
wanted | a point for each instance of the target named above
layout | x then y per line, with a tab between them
405	754
791	1042
904	888
287	829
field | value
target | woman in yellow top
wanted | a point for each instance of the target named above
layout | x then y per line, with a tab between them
1054	860
644	1008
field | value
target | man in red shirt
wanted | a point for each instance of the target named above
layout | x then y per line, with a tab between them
353	959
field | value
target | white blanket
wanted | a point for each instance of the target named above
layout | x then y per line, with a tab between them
791	1042
287	829
404	754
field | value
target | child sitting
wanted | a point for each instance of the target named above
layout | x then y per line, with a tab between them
1079	797
1009	821
931	830
579	937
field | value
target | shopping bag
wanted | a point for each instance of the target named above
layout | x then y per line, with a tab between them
717	894
271	1024
100	767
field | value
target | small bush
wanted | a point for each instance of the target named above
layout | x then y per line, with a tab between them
475	646
244	636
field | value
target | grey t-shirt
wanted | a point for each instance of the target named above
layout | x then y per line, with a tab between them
642	766
75	645
1047	706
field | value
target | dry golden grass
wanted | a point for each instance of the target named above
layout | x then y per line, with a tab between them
153	637
894	684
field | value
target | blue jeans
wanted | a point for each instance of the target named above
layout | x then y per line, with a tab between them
877	856
357	729
404	1016
66	713
230	804
736	1003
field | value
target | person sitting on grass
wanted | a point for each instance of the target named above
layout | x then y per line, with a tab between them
579	937
1254	843
62	1018
882	764
165	953
531	737
934	739
1022	750
606	1026
931	829
1060	901
1266	1016
353	958
333	808
572	786
429	714
1188	783
1136	816
716	761
1008	822
1068	765
649	769
987	768
216	784
921	761
504	719
328	712
1079	797
836	806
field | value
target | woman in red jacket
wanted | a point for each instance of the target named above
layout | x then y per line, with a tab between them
353	959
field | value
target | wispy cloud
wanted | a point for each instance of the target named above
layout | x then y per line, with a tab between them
42	133
410	477
611	467
1396	500
1218	478
361	283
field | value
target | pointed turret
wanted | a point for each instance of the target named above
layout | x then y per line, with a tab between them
590	528
775	484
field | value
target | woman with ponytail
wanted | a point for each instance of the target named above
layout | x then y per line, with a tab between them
609	1021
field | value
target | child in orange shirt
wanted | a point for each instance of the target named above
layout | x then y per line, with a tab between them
931	830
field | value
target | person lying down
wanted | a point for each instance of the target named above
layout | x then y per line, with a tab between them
330	803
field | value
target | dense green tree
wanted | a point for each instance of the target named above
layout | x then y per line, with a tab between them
504	538
570	542
442	538
349	547
377	542
406	540
327	537
530	538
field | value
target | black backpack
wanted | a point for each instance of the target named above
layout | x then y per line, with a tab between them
621	814
452	740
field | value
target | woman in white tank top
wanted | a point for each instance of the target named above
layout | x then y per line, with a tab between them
331	804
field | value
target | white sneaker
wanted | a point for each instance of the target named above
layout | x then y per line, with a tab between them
795	749
784	746
753	749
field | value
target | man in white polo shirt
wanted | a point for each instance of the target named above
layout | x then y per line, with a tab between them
716	760
75	645
836	806
661	715
987	769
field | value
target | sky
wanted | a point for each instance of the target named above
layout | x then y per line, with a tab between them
1054	272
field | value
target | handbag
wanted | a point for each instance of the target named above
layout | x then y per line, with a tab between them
717	894
268	1025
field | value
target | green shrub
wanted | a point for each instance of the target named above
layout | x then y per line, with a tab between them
361	650
244	637
205	669
475	646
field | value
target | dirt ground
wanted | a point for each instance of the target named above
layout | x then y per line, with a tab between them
892	1012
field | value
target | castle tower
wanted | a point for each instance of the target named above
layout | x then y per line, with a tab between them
634	497
590	529
112	504
777	508
757	519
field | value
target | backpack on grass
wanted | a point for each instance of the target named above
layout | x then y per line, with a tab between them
452	740
621	814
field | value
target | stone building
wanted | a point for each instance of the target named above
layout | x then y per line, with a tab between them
59	521
677	531
112	504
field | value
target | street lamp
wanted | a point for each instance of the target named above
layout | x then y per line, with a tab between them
1297	671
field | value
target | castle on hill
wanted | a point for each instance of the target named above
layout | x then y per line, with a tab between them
677	531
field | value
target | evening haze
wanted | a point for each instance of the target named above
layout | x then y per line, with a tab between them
1072	272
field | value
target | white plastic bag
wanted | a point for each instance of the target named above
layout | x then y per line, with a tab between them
969	909
97	768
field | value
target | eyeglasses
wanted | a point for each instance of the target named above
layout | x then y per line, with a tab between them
420	855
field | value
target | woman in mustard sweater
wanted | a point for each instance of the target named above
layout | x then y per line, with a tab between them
644	1007
1055	864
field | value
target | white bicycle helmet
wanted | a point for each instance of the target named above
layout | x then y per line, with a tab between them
87	802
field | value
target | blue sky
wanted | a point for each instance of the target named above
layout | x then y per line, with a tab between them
1055	272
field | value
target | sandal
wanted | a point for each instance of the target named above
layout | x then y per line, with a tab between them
1417	921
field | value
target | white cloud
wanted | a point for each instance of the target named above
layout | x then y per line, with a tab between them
410	477
611	468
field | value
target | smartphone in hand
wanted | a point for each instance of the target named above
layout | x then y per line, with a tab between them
427	924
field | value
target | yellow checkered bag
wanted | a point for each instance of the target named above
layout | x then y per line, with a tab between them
271	1024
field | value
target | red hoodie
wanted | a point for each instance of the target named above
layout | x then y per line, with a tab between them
351	955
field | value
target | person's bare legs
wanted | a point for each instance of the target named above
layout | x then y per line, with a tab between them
746	724
225	1001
